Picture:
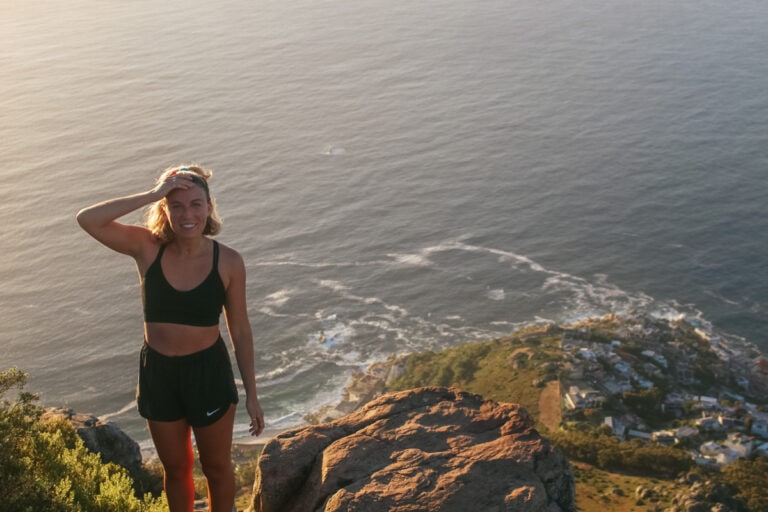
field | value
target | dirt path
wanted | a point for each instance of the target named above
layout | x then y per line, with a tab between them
549	406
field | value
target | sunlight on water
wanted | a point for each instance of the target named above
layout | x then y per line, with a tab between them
398	176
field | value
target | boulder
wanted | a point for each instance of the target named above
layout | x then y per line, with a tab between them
102	437
422	449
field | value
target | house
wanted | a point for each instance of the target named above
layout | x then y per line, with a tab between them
616	426
721	454
741	444
710	448
730	422
760	427
708	403
726	456
664	437
709	423
623	368
733	396
658	358
639	434
616	386
684	432
577	398
642	382
706	462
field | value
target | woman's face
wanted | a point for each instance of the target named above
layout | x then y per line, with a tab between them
187	211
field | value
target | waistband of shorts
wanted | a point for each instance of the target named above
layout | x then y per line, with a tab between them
194	356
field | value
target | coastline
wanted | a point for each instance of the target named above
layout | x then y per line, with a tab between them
373	380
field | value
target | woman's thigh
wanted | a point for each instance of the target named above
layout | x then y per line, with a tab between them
173	444
214	442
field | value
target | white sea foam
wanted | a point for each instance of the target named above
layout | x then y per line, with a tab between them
271	312
723	298
411	260
285	374
130	406
497	294
332	334
278	298
334	285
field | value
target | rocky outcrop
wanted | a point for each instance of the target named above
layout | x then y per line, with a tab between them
700	495
102	437
363	387
424	449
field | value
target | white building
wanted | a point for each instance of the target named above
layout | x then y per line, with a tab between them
760	427
660	359
583	398
740	444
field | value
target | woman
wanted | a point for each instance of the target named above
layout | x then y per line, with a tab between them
185	377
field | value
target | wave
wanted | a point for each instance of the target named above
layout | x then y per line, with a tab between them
324	327
560	296
130	406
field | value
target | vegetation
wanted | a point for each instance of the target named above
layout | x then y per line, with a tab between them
609	474
606	452
749	477
598	490
507	370
44	465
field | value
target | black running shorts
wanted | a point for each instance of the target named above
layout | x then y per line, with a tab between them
198	387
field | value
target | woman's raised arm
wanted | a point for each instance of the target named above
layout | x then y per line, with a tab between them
99	220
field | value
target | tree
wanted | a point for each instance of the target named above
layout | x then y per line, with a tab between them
44	465
749	477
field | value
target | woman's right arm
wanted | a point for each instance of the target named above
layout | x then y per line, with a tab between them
99	221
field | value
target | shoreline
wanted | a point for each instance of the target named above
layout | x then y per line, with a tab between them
366	384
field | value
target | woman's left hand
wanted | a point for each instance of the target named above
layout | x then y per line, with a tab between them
256	414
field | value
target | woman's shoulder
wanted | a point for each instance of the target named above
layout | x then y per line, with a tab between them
148	250
228	256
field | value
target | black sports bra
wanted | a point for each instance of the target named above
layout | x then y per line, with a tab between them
200	306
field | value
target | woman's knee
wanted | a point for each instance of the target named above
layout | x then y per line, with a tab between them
178	463
217	468
178	468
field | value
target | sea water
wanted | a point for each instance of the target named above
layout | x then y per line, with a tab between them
398	176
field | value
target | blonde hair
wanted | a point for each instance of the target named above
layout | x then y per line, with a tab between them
156	219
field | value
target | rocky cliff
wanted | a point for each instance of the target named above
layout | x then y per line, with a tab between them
416	450
102	437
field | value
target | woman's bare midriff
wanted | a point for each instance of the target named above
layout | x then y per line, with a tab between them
178	339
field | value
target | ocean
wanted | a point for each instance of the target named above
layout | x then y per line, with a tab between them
398	176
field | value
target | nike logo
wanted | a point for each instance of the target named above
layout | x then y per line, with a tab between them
211	413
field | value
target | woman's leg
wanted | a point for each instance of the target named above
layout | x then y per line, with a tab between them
174	447
214	444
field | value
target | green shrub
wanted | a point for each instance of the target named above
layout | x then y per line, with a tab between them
749	477
46	466
606	452
452	367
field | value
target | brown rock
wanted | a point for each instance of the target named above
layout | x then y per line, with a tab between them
419	450
102	437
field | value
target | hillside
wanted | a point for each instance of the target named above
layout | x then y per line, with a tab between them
665	387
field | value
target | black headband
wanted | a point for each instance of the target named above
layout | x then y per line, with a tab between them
196	178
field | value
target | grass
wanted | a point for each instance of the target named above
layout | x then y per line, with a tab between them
513	369
517	369
598	491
